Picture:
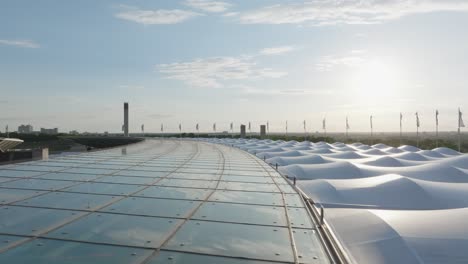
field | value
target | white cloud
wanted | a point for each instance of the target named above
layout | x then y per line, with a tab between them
19	43
327	63
212	72
331	12
156	17
277	50
209	5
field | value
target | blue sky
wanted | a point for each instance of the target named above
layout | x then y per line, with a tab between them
72	64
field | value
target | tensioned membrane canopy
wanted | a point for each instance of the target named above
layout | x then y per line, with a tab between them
158	201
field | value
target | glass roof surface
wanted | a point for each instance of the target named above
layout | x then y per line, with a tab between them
158	201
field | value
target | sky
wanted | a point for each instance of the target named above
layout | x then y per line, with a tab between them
72	64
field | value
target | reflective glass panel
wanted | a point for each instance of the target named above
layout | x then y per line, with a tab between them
105	188
12	195
126	180
286	188
167	257
90	171
247	179
187	183
126	230
152	207
194	176
242	213
18	173
142	173
237	240
6	241
38	184
293	200
245	186
247	197
32	221
68	176
308	246
47	251
299	217
174	193
66	200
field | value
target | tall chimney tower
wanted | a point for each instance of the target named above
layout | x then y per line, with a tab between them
125	119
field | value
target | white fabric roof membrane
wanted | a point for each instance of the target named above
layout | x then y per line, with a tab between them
9	143
384	204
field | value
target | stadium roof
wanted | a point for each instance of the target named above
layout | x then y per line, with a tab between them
158	201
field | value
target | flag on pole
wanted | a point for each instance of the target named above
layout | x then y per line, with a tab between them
460	119
249	126
418	124
180	127
143	128
268	127
437	117
197	127
347	123
214	127
304	125
401	119
162	127
371	125
324	124
232	126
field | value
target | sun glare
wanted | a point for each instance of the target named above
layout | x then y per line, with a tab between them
376	79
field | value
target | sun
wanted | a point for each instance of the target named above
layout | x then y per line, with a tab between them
375	79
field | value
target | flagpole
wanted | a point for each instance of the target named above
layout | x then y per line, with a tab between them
347	127
437	128
371	131
460	125
286	129
401	128
417	130
305	131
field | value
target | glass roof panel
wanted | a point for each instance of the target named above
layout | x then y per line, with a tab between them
64	200
236	240
242	213
308	246
18	173
174	193
105	188
125	230
247	179
18	220
90	171
274	199
142	173
245	186
126	180
68	176
152	207
299	217
48	251
7	241
168	257
187	183
12	195
37	184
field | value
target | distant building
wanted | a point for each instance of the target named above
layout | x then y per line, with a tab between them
262	131
25	129
74	132
49	131
125	125
242	131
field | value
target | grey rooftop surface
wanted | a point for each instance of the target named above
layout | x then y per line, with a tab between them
158	201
